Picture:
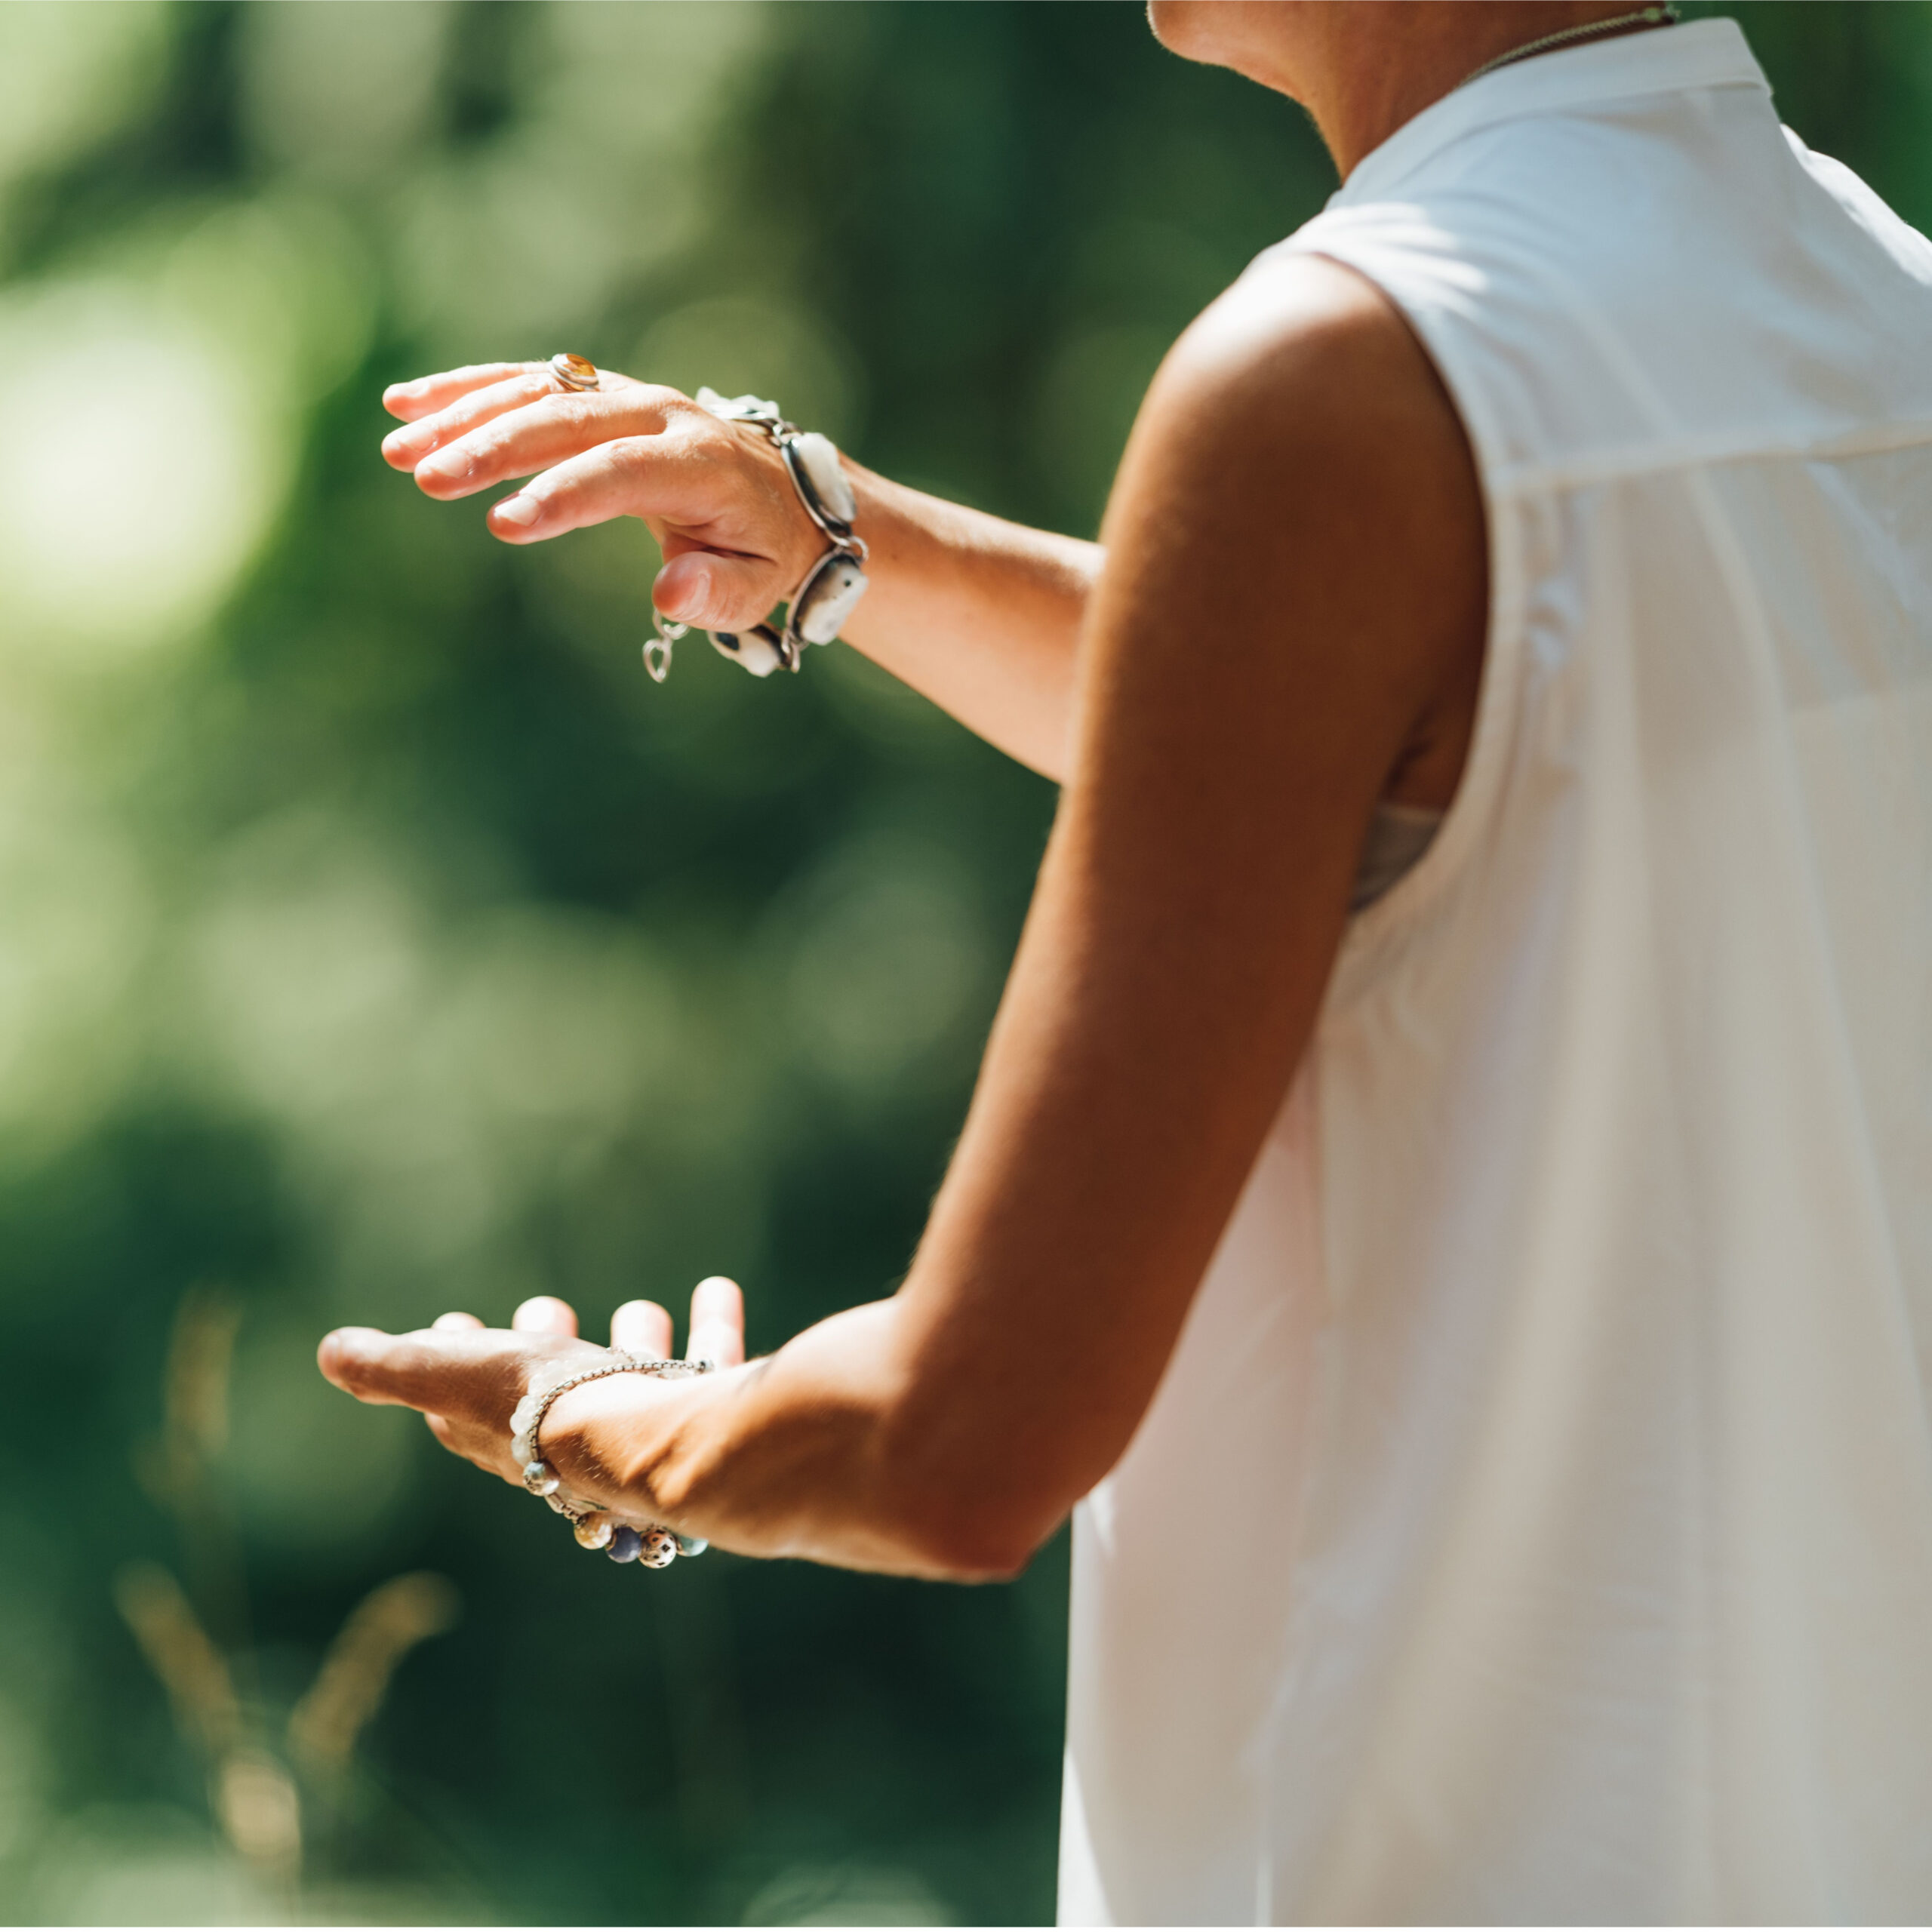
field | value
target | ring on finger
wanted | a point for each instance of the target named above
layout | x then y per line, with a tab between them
573	373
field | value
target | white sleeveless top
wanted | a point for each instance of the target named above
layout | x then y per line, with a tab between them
1535	1521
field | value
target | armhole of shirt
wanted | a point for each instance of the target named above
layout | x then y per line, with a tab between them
1375	933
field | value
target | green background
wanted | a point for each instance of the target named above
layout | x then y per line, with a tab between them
378	940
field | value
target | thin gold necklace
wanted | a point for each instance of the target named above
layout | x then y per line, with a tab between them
1646	17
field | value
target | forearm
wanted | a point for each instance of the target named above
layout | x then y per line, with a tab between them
981	616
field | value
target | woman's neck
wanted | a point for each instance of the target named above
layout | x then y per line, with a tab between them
1365	68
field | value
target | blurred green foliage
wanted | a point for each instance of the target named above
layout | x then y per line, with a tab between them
378	940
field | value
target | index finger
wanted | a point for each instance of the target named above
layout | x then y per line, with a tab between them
427	394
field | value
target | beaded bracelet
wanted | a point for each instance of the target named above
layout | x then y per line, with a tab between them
652	1544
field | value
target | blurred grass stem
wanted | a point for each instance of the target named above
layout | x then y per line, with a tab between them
355	1676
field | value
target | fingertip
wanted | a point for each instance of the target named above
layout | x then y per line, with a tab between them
440	475
683	590
342	1349
515	515
642	1328
456	1318
396	448
719	1295
544	1314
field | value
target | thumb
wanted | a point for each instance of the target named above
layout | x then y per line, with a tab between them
716	592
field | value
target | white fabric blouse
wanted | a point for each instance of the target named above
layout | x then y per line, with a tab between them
1535	1520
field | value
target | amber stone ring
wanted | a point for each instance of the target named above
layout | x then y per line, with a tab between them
572	372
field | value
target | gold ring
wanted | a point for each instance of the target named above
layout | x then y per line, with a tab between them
572	372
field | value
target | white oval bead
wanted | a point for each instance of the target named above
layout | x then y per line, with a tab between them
734	408
819	457
834	596
752	649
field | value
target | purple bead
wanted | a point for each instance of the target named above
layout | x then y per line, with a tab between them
625	1544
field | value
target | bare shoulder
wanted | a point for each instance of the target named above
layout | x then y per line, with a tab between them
1299	452
1307	347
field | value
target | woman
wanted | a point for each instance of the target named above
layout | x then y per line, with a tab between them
1493	1319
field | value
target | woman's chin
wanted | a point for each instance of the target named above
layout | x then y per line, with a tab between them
1254	37
1179	27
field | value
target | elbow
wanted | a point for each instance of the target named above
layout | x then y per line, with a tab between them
969	1523
969	1492
954	1540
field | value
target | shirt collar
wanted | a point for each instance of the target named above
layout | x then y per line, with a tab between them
1706	54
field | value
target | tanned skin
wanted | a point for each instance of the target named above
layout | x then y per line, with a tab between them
1284	623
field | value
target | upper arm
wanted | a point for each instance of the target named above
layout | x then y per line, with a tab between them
1294	589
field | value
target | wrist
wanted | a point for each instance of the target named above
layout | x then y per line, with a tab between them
835	581
591	1433
624	1442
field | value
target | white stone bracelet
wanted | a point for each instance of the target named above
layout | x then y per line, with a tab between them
653	1544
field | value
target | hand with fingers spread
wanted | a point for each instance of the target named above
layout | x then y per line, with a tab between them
466	1378
716	495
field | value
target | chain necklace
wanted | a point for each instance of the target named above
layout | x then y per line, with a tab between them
1647	17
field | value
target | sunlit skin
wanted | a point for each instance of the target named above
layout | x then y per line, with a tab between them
1283	624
